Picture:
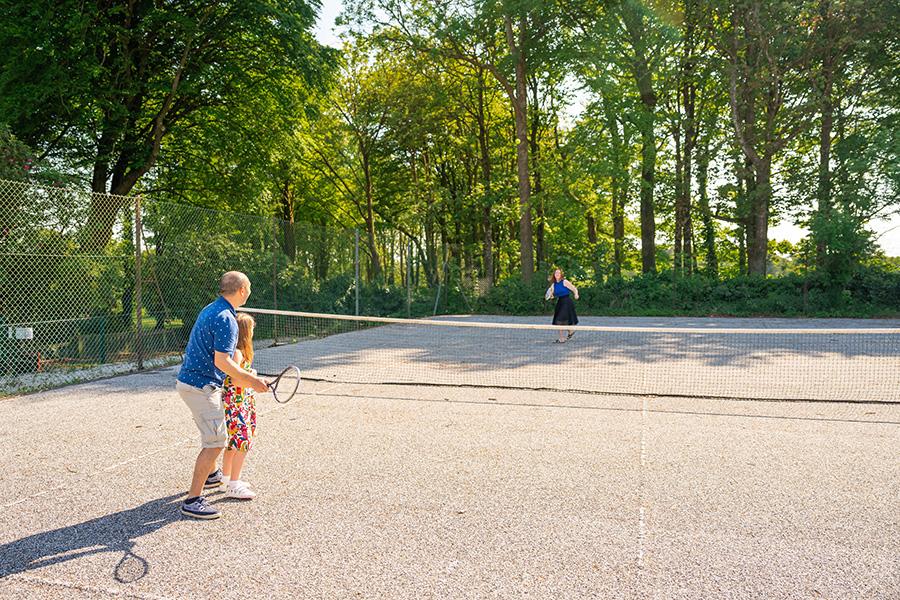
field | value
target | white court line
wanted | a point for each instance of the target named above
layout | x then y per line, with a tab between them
115	466
642	532
85	588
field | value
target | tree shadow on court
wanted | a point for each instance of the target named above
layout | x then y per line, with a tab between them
116	533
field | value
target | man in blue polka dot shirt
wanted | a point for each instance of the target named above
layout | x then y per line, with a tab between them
207	360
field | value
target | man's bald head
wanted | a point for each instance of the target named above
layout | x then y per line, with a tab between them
233	282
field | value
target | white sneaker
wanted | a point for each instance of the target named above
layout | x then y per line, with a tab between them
240	490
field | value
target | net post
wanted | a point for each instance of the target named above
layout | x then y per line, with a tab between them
138	307
275	278
356	266
409	254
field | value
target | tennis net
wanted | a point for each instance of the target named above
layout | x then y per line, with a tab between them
841	364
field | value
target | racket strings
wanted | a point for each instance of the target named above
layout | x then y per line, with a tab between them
287	384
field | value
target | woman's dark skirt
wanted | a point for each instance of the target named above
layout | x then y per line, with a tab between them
565	311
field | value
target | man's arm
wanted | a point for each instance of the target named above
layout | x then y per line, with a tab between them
243	378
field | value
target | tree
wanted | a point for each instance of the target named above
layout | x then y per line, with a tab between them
115	81
633	38
505	39
852	59
766	63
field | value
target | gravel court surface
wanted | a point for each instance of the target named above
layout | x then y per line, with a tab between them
402	491
65	434
763	507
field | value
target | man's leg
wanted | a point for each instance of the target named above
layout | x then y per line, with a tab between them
206	461
206	407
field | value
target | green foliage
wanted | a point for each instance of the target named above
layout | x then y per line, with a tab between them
16	158
512	296
871	292
414	142
868	293
109	88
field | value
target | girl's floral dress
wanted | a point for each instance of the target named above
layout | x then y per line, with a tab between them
240	414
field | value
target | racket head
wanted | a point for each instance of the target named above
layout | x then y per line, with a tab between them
286	385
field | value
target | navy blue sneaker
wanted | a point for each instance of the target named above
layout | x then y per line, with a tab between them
214	479
199	509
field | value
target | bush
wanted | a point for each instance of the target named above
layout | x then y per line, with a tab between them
874	292
512	296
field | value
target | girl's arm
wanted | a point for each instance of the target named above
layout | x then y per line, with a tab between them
571	287
239	359
226	364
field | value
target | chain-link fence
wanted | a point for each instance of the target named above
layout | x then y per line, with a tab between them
67	299
97	284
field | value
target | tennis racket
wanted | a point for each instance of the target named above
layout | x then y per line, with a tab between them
286	385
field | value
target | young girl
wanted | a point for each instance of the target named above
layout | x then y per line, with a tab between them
240	415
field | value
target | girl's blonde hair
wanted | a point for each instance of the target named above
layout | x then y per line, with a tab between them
552	279
245	335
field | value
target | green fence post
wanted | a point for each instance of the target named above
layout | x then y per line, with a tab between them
103	339
139	313
5	349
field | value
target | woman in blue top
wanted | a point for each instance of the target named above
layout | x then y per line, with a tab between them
562	290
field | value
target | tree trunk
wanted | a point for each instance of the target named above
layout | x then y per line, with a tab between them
322	253
648	218
758	242
619	182
370	221
633	19
520	106
430	258
592	244
104	208
618	221
487	250
677	253
288	234
709	232
688	100
823	190
535	169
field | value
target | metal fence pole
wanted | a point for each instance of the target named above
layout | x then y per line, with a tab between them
138	307
356	266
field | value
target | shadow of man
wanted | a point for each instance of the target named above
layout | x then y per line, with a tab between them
116	532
